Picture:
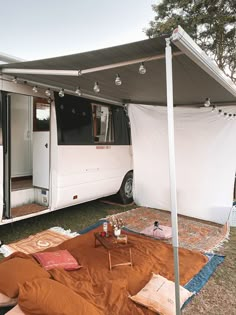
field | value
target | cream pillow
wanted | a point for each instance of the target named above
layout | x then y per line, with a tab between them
159	295
15	311
6	300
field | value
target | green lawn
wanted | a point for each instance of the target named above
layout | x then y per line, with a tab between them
74	218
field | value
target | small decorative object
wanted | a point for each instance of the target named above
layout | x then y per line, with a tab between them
103	234
117	232
117	224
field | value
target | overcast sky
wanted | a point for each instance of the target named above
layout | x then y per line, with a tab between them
32	29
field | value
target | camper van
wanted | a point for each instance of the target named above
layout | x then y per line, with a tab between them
59	150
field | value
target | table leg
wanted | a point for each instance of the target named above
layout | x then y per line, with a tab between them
130	257
109	260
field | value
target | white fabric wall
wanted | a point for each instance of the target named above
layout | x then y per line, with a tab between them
205	145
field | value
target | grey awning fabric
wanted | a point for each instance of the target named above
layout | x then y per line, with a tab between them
192	85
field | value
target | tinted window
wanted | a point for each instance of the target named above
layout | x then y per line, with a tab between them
74	120
82	121
121	126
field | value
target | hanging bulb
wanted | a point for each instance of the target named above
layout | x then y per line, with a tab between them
35	89
118	80
78	91
214	109
14	80
207	102
61	93
48	92
49	100
142	69
220	112
225	115
230	116
96	87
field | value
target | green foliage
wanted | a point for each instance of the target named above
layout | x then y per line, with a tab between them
211	23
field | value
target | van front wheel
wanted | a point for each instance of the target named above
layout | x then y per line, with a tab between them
126	190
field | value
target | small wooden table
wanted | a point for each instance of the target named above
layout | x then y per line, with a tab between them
110	244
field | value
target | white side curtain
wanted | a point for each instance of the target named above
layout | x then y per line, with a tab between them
205	146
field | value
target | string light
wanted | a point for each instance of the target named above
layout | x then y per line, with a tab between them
14	80
142	69
48	92
61	93
35	89
78	91
96	87
214	109
224	114
207	102
118	80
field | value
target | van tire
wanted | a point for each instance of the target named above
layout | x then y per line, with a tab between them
125	193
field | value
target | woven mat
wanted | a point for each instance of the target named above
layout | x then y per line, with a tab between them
193	234
38	242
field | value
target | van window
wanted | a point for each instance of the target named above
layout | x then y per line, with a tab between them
41	121
103	127
74	120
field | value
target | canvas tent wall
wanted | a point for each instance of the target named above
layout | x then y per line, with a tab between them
205	160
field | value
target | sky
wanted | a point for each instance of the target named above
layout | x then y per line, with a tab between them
32	29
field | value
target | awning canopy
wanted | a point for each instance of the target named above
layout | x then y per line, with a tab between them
191	83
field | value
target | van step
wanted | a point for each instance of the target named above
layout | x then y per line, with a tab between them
26	209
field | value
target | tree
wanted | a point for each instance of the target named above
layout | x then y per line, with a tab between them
211	23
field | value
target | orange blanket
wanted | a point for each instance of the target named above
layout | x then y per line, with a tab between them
109	290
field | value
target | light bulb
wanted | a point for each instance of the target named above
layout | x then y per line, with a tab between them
61	93
214	109
207	102
35	89
14	80
78	91
118	80
225	115
142	69
48	92
96	87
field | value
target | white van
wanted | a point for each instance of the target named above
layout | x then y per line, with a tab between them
57	151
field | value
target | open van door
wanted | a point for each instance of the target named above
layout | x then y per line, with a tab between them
5	151
41	127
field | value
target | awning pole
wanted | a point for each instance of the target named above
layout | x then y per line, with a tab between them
171	142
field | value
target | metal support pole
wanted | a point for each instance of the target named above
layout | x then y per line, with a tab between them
171	142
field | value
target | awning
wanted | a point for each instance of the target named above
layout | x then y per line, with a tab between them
191	83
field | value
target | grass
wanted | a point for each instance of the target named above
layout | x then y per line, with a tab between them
217	296
75	218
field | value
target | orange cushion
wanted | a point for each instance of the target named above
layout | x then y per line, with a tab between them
16	271
49	297
58	259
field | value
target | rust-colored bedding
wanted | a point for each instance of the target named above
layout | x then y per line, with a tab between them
109	290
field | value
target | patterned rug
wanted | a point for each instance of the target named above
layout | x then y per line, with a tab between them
38	242
193	233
